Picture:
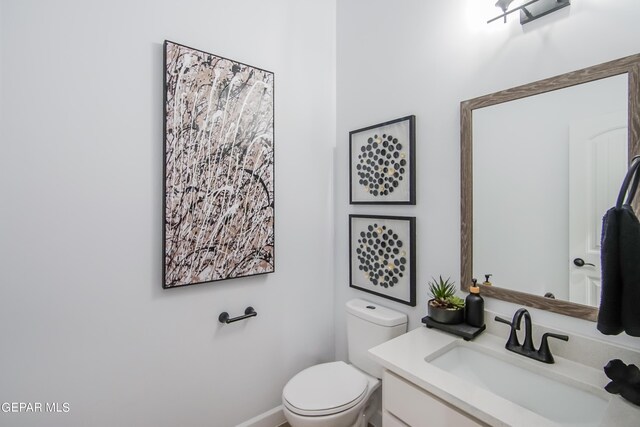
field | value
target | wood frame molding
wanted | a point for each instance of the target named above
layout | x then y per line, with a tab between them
629	65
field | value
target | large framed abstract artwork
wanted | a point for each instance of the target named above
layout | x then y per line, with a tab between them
382	163
382	258
218	168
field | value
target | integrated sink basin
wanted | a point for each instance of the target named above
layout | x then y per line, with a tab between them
555	399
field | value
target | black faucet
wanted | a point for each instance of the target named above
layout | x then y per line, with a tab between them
543	354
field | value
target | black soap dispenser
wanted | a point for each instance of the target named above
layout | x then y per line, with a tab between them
474	306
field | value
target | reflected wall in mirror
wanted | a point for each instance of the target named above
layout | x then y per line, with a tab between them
533	157
541	164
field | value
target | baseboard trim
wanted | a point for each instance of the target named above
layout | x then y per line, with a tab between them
272	418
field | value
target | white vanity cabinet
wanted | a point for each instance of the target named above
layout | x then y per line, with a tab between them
420	390
405	404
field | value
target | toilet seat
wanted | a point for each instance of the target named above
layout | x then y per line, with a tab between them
325	389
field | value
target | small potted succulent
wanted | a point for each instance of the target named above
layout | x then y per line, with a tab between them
445	306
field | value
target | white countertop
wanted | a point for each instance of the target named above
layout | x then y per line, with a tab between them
405	356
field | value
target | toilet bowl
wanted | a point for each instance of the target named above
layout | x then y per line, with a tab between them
338	394
329	395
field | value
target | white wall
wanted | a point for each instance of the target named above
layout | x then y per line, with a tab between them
423	58
83	317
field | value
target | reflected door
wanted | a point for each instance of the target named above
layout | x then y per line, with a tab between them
597	165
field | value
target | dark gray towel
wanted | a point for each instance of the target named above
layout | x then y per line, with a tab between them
629	228
620	256
610	314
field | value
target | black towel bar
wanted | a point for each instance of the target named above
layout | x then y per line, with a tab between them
248	312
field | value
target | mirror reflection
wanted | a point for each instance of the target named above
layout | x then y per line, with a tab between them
545	170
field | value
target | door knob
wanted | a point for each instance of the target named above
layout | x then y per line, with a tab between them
579	262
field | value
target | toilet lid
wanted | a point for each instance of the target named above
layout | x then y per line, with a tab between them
325	389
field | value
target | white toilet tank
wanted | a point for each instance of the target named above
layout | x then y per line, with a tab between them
368	325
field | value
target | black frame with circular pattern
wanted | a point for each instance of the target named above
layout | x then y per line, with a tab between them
382	256
382	163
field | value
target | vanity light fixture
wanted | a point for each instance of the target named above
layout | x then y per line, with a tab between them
529	10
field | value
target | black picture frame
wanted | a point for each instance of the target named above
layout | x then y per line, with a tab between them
382	163
233	235
382	256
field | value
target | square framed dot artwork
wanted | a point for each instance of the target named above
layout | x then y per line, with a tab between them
382	256
382	163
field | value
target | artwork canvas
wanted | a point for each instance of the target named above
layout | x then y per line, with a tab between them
382	163
218	168
382	256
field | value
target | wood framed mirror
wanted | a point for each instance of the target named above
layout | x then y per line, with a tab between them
518	151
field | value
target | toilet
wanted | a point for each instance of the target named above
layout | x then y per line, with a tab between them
338	394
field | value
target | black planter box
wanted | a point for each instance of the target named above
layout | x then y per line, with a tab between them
445	316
